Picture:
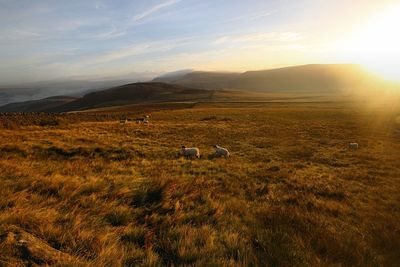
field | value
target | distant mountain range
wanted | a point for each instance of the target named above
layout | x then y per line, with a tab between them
202	80
306	78
186	85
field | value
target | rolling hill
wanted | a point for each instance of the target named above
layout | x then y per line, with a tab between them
327	78
136	93
41	105
128	94
73	87
202	80
298	83
155	96
308	78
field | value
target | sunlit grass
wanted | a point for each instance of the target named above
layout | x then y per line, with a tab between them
291	194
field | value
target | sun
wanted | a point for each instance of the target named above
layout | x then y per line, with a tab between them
376	45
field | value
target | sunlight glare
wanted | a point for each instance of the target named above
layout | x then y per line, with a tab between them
377	44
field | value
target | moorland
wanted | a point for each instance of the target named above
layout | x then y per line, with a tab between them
83	189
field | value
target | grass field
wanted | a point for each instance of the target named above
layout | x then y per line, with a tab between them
88	190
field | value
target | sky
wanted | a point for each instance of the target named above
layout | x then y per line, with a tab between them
75	39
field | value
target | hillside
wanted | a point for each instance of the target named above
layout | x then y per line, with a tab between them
41	90
308	78
71	87
203	80
40	105
154	96
315	78
135	93
298	83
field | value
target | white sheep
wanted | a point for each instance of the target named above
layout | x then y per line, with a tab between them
220	151
353	146
125	120
144	119
190	152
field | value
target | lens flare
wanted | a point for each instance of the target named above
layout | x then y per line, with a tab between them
377	44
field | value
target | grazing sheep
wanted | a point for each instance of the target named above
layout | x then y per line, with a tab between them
353	146
144	119
220	151
190	152
125	120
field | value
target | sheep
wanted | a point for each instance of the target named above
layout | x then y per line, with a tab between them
123	121
190	152
220	151
144	119
353	146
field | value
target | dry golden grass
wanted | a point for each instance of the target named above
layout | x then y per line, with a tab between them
292	194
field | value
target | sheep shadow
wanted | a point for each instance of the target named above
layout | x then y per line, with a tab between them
212	156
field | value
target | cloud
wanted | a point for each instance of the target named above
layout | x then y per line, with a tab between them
122	53
123	29
22	34
99	5
260	37
154	9
63	29
113	33
252	16
110	57
100	24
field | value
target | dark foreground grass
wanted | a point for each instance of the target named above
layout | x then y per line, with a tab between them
292	194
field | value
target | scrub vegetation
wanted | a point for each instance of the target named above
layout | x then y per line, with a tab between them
83	189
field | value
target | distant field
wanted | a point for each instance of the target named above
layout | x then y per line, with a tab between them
83	189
